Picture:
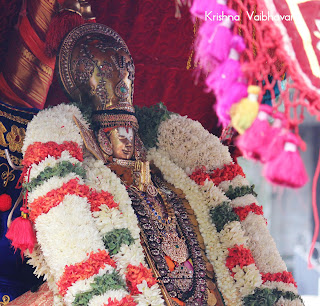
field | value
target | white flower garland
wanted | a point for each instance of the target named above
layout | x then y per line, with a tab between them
188	144
68	233
54	124
101	177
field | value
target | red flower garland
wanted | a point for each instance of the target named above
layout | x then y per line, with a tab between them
136	275
38	151
126	301
285	277
42	205
243	212
84	270
239	255
103	197
227	173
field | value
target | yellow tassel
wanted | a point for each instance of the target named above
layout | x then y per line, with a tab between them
245	112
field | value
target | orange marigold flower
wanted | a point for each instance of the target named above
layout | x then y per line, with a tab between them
136	275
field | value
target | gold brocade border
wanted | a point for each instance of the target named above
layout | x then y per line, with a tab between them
29	71
14	118
15	159
28	55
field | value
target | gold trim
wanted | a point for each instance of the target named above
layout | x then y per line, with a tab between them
5	300
30	76
7	176
41	12
14	118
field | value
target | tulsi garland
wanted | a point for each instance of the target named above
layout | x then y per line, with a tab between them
216	253
236	192
100	285
59	170
114	239
222	214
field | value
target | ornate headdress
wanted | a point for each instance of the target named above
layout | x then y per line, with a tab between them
95	66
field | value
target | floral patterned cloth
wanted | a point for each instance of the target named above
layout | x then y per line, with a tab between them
43	297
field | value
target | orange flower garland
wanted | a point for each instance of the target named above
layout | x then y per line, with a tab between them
42	205
126	301
285	277
228	172
84	270
239	255
243	212
39	151
136	275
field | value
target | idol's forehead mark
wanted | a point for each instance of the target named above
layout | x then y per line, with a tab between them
125	132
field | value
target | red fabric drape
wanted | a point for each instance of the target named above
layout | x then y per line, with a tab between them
160	45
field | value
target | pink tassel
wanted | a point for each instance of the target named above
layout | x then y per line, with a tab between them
287	169
213	43
21	233
225	75
256	139
220	39
200	7
224	103
277	135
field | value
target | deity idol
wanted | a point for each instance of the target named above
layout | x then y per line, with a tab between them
119	225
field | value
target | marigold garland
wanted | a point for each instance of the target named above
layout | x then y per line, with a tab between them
284	276
83	270
126	301
136	275
43	204
228	172
38	151
239	255
243	212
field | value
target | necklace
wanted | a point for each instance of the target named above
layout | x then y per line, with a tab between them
179	283
172	245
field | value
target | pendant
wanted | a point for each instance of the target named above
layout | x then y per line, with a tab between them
175	247
152	190
182	277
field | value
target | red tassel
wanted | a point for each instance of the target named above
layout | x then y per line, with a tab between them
21	233
287	169
256	139
60	26
5	202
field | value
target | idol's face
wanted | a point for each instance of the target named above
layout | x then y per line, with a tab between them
122	141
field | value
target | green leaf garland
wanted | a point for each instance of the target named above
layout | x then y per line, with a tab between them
149	119
233	193
101	284
60	170
116	238
222	214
